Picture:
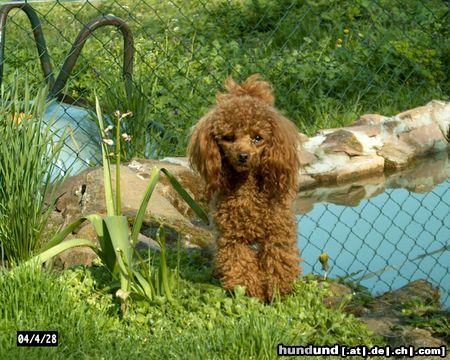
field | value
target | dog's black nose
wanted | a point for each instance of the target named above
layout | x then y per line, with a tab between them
243	157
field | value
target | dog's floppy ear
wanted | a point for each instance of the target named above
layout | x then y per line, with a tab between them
250	87
280	161
204	154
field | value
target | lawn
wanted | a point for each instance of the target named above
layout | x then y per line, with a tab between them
201	323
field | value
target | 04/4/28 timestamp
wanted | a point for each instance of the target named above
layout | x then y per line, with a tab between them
37	338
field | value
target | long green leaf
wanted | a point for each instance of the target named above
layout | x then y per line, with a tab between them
108	254
118	200
377	273
186	197
65	245
425	254
154	177
145	285
117	227
125	271
106	166
163	268
60	236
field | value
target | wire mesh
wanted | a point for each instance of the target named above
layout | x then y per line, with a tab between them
384	242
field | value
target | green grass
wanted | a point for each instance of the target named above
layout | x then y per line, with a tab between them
202	323
329	61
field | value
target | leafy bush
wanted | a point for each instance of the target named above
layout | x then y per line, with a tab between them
328	60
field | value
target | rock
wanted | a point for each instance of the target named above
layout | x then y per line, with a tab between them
382	324
422	177
76	256
83	194
369	130
425	139
398	140
440	112
369	119
342	141
306	157
420	290
86	231
306	181
324	169
419	338
397	154
145	242
385	313
359	167
339	293
303	138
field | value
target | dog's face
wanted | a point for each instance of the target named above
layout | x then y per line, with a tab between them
245	134
242	132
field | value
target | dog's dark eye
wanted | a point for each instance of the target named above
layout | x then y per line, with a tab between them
228	138
257	139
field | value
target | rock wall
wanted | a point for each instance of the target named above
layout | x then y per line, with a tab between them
374	144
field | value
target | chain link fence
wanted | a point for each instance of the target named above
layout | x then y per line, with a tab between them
329	61
384	242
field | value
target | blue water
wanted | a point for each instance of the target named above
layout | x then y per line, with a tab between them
385	242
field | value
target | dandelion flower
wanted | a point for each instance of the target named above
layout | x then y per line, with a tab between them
323	258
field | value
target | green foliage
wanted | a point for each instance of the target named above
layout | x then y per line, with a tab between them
203	323
28	153
328	60
86	321
429	317
116	248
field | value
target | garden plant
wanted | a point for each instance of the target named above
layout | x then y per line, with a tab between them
116	245
28	158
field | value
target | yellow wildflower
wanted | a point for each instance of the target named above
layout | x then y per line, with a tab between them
18	117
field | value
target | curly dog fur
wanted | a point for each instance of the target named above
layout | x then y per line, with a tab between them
246	152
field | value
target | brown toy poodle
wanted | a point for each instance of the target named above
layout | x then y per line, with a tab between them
246	152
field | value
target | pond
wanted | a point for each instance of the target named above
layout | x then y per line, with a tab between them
383	232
